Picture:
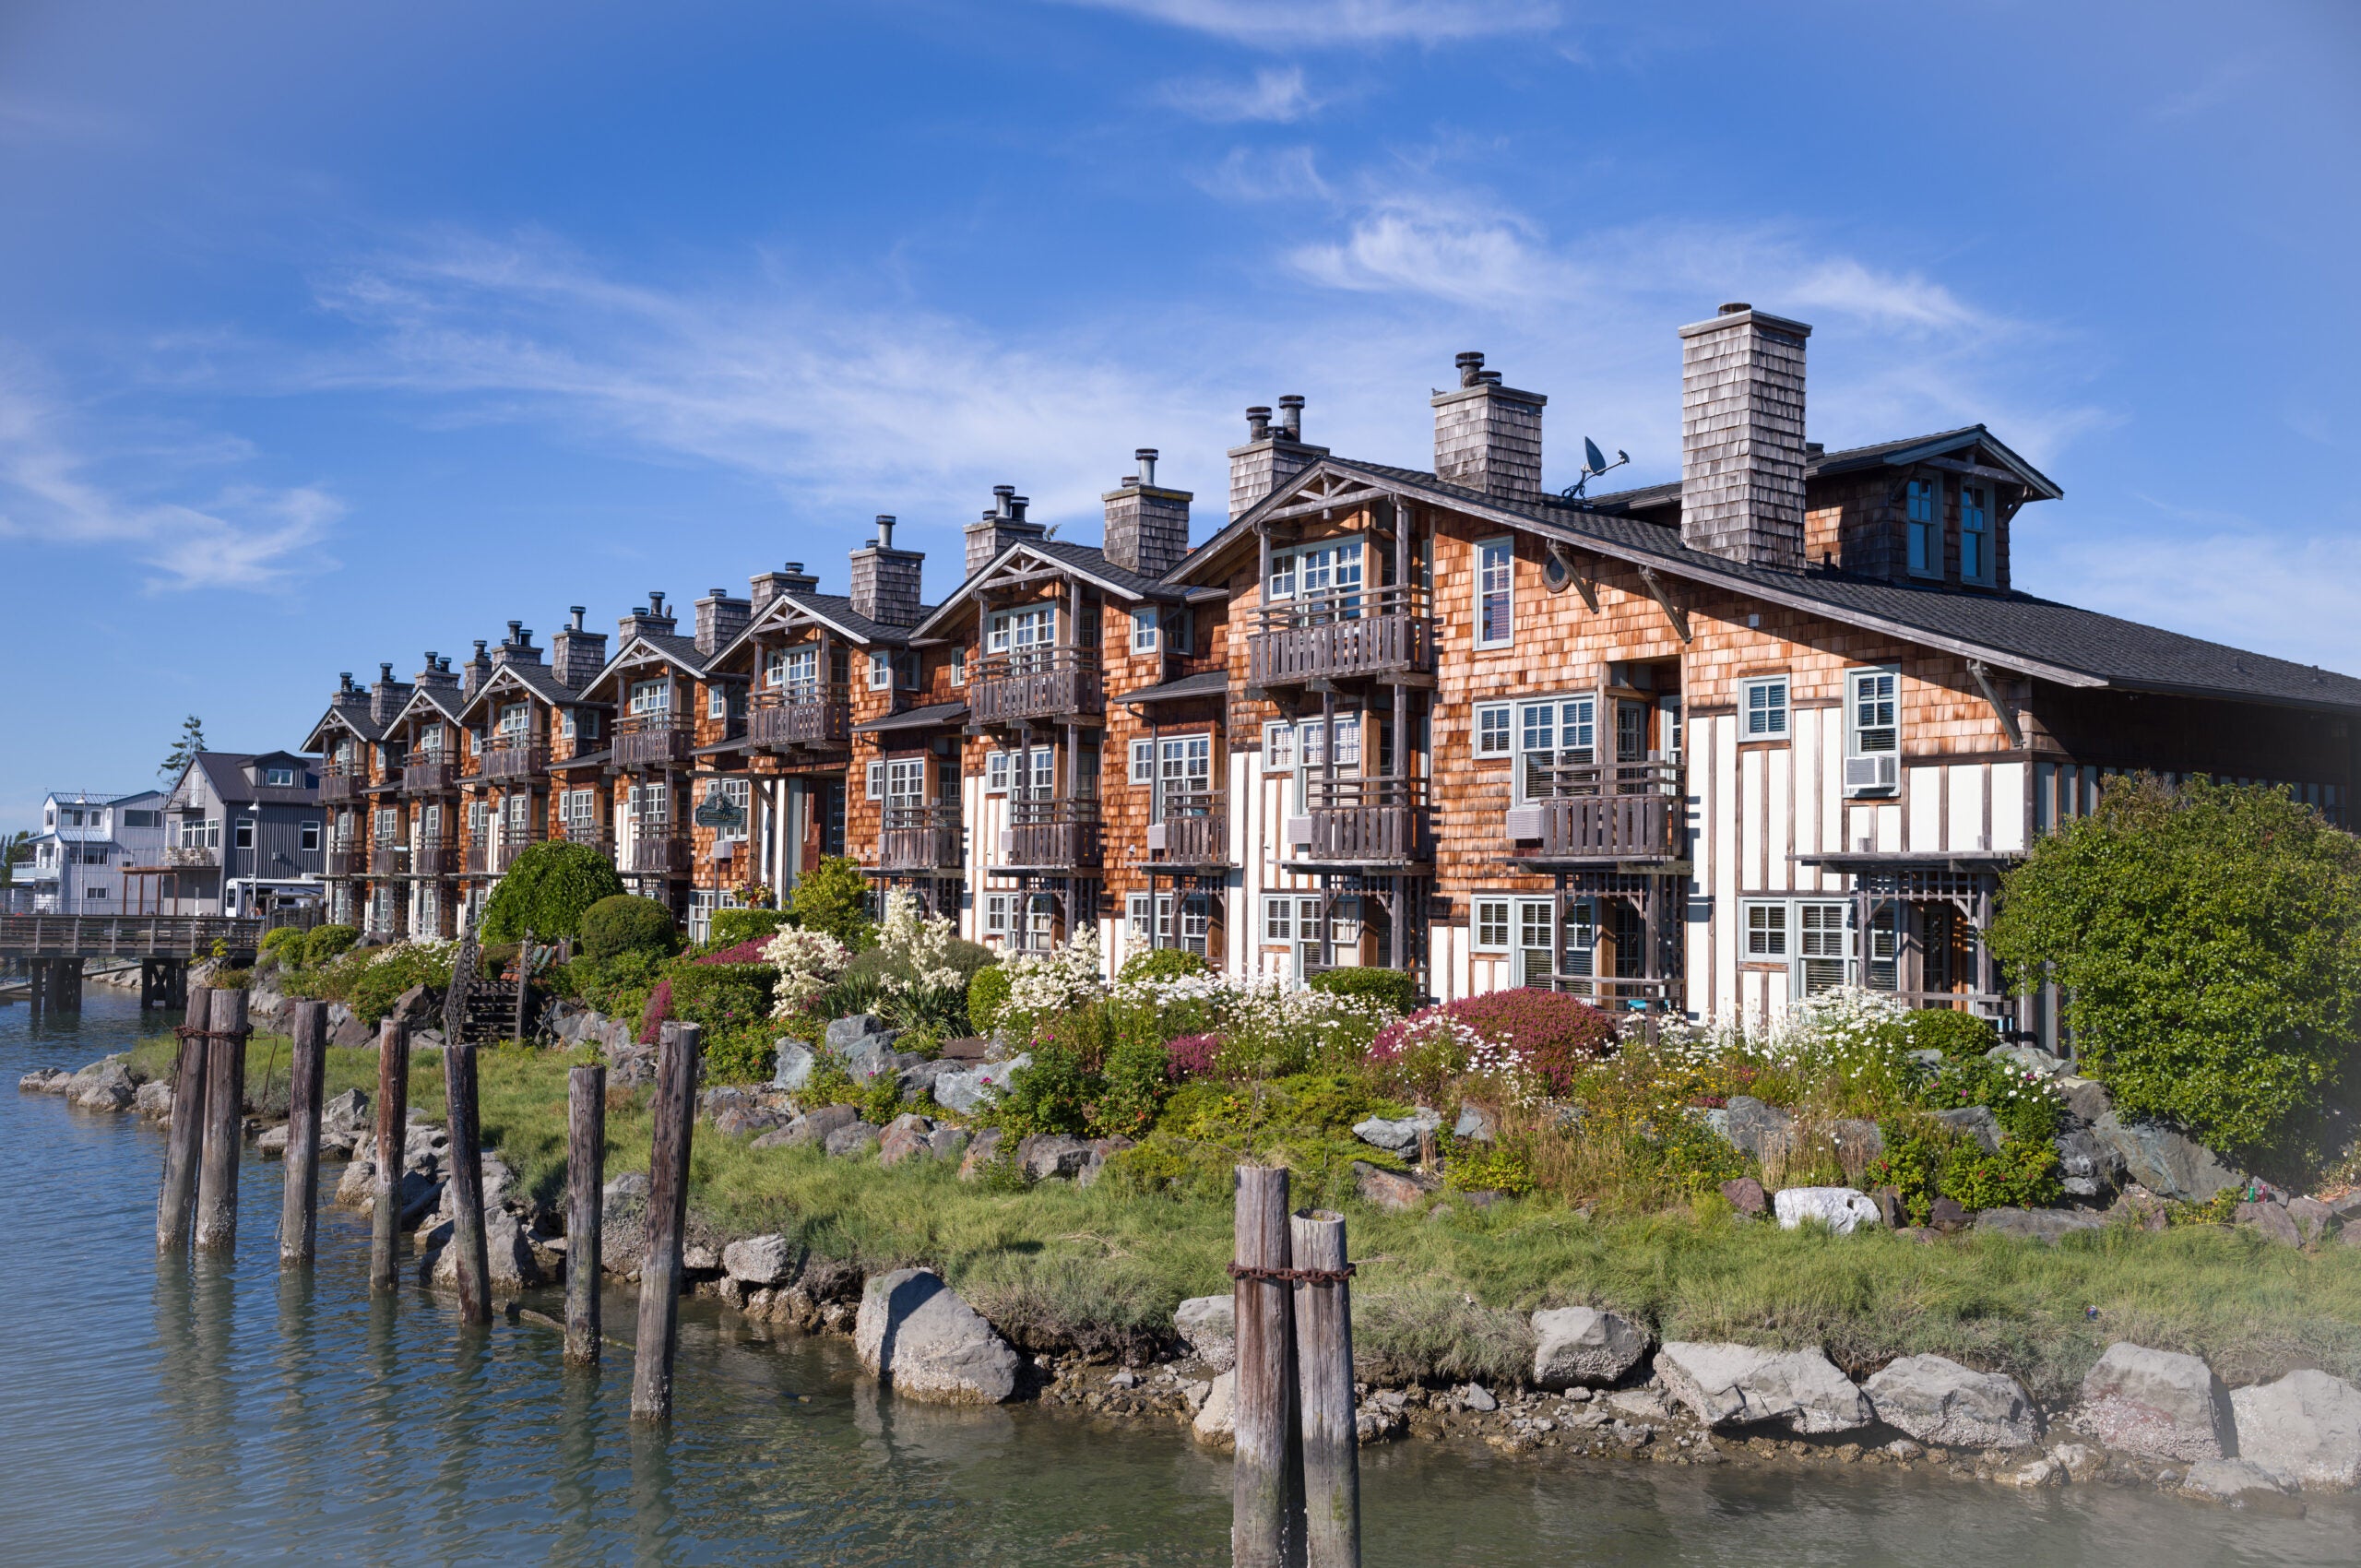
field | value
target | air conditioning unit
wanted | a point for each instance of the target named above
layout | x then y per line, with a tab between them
1300	831
1524	824
1154	838
1872	775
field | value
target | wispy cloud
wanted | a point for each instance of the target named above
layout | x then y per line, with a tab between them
240	536
1280	24
1258	174
1275	95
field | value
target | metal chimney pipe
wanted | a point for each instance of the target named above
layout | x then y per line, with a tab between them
1146	459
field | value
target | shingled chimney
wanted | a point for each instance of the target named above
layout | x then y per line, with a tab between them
519	648
719	619
1274	454
764	587
476	672
885	580
577	654
386	696
645	620
1003	526
1147	525
1488	436
1742	437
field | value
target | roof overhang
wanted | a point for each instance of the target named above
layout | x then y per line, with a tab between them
1018	565
634	656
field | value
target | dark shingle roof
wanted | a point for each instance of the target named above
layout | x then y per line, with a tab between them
915	719
1209	683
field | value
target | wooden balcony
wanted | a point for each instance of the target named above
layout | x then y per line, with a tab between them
504	853
430	776
661	740
918	838
591	834
815	716
515	757
653	851
1611	812
1375	632
338	787
478	856
1052	834
1372	822
435	857
389	857
1058	683
1195	831
346	860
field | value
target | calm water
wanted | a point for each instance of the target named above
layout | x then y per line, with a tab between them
160	1413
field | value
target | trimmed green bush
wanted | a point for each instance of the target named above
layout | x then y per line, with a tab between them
987	994
1950	1031
326	942
285	943
747	1054
548	891
382	980
721	996
1160	963
623	924
1395	990
835	899
731	927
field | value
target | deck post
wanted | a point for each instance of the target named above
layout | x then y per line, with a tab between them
668	1200
1323	1329
173	1206
465	1178
393	1139
225	1119
308	1069
585	1174
1266	1523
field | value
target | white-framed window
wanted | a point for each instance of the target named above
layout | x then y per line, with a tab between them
1278	918
1312	740
1331	569
1766	930
273	778
1146	626
1488	924
1975	536
1823	946
1278	748
1028	630
1495	591
996	913
1196	919
647	698
520	813
578	807
881	670
1185	764
1923	517
244	833
717	702
906	781
310	842
739	792
1136	919
1872	731
795	671
1143	762
877	780
996	772
959	665
1495	729
1762	708
1552	733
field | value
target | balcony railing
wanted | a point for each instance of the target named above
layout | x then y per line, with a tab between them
430	776
1051	835
515	757
345	860
653	852
389	857
656	740
504	853
1362	821
1369	632
806	714
920	838
189	857
433	857
338	787
1056	683
1629	811
1194	830
590	832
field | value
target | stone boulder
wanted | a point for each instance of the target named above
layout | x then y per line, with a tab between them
1975	1122
854	1137
947	1143
1746	1195
793	1063
2088	1166
965	1090
748	1121
2037	1224
510	1259
1749	1125
346	1029
1392	1190
1208	1326
1937	1400
104	1086
45	1080
813	1127
272	1144
763	1262
155	1099
2314	1219
2307	1424
1728	1385
1101	1151
2167	1162
1398	1135
865	1045
2240	1483
1583	1347
1048	1157
1217	1419
348	1113
1475	1123
2157	1404
916	1336
1841	1209
2272	1219
980	1153
905	1137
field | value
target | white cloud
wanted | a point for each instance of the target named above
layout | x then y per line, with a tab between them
1287	173
1278	96
243	536
1278	24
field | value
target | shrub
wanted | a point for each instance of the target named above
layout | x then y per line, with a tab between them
721	997
625	923
386	973
1135	1085
2023	1174
1159	963
1497	1167
1190	1056
328	942
808	963
617	987
1053	1094
731	928
1950	1031
285	943
2022	1101
548	891
1553	1036
987	994
1391	987
835	899
2207	940
747	1054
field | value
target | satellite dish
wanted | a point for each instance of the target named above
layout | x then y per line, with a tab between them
1594	461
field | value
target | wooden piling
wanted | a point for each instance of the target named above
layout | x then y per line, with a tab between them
299	1201
1323	1351
174	1204
1265	1498
524	984
667	1203
393	1139
586	1175
466	1183
225	1122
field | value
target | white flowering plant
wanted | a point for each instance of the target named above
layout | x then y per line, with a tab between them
1041	985
808	962
916	945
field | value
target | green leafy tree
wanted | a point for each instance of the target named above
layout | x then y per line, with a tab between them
2208	939
625	923
16	847
547	890
835	899
190	741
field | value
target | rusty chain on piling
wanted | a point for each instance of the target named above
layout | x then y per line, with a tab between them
1291	1275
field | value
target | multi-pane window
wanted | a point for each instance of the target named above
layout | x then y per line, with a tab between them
1553	735
1143	762
1495	573
996	772
876	782
1145	625
1495	729
881	671
1185	764
906	781
1491	916
1763	709
245	833
579	808
275	777
1278	748
1975	536
1766	930
648	697
1312	741
1923	507
1329	571
739	792
1872	731
1022	631
1823	946
996	912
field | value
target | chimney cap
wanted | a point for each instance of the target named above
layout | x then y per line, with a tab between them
577	612
1145	453
479	644
1291	400
1734	308
795	565
1471	367
386	671
513	628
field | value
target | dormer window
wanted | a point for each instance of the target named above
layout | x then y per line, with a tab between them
1974	535
1923	510
278	777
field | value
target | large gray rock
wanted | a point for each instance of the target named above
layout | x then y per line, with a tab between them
1841	1209
46	1080
813	1127
2307	1424
1209	1326
921	1340
1048	1157
2270	1219
1398	1135
854	1137
1392	1190
509	1254
1581	1346
154	1099
1975	1122
793	1063
1725	1385
1937	1400
965	1090
2037	1224
1217	1419
104	1086
762	1262
2314	1219
2157	1404
2029	1059
2241	1483
1474	1122
1749	1125
348	1111
2164	1161
2088	1166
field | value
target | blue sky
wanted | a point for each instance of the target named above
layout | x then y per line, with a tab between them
332	334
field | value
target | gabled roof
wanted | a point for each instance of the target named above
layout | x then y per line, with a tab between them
352	717
1087	561
224	774
643	648
830	610
2014	631
446	701
1883	454
535	679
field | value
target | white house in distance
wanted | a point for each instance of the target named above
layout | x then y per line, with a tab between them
87	840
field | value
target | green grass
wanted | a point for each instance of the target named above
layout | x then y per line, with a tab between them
1061	1265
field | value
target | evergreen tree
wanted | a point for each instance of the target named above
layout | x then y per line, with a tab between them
185	749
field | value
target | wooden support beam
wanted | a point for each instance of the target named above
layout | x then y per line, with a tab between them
585	1174
2000	709
1327	505
1583	582
1266	1520
225	1116
1657	591
173	1206
307	1070
1323	1328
